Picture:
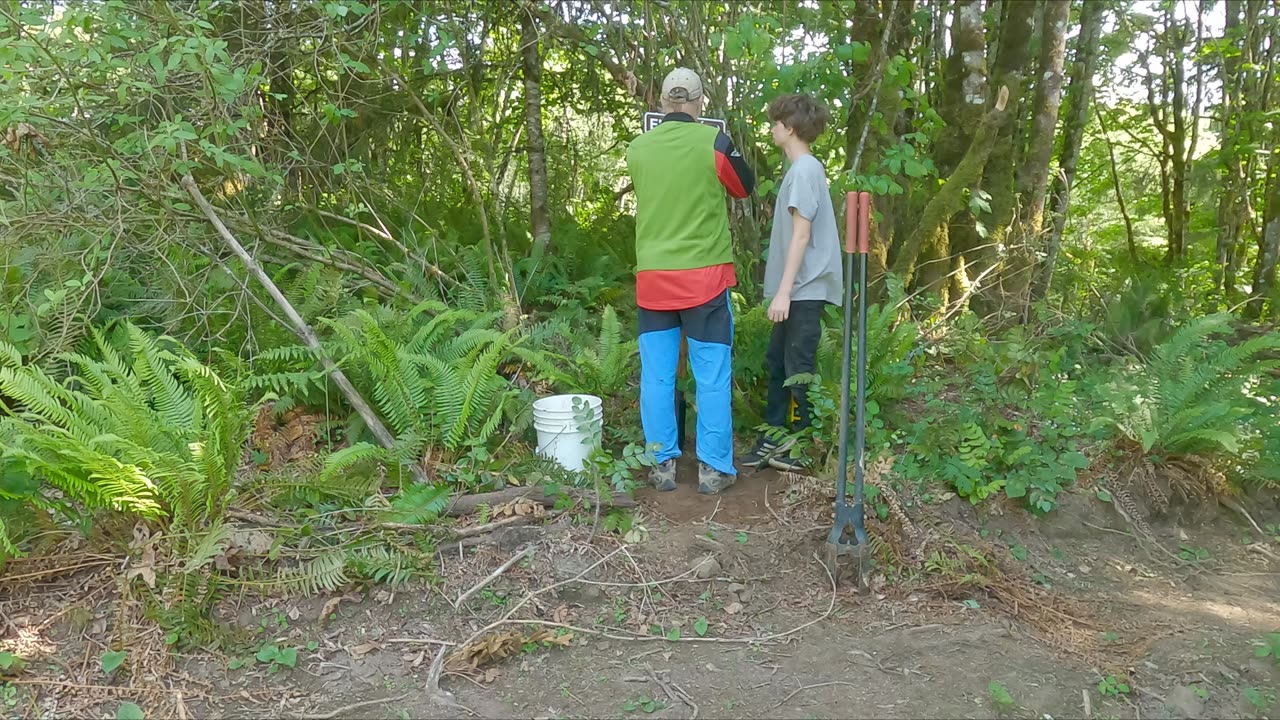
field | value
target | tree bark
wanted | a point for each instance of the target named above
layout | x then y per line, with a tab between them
300	326
531	64
950	198
1079	98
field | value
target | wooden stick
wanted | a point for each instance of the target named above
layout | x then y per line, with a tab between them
300	326
339	712
799	690
494	575
467	504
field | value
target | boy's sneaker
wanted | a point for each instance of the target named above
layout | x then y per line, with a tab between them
663	476
765	451
712	481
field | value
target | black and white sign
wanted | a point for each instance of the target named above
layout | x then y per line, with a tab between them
651	120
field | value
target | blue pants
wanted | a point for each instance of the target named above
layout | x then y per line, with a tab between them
709	331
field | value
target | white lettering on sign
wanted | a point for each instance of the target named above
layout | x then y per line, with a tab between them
651	120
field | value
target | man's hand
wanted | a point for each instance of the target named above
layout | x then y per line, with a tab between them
780	308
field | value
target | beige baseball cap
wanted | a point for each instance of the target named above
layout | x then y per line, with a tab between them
682	85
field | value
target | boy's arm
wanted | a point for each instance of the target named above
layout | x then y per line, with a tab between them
731	168
780	307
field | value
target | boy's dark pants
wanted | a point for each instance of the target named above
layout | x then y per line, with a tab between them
793	350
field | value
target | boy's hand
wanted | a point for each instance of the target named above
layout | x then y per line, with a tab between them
780	308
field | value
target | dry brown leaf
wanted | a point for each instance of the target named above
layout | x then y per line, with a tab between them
563	615
358	651
146	568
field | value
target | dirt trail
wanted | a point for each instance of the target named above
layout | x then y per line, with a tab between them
745	568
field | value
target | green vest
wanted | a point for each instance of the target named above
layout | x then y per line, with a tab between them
682	221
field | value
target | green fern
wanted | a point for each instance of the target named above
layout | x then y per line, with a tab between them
153	433
602	367
1189	397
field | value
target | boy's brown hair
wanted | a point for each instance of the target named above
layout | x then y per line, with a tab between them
800	112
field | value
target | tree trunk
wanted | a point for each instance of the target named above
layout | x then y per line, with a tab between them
962	101
1033	175
1115	183
1234	199
1264	269
998	177
539	214
1079	98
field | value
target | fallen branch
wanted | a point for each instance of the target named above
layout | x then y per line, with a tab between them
799	690
300	326
1262	550
495	574
1236	507
467	504
675	692
340	712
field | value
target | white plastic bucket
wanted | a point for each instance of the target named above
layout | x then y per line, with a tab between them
559	435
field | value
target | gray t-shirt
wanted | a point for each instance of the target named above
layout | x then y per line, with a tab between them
804	188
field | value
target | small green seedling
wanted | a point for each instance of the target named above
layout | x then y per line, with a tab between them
644	703
700	626
741	537
130	711
277	657
1110	686
10	664
1001	700
1192	554
1259	699
1269	647
8	695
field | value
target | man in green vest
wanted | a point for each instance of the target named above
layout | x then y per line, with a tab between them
682	171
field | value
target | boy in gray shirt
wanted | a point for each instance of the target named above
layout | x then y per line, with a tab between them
802	274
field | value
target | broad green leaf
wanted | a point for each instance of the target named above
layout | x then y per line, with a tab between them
130	711
113	659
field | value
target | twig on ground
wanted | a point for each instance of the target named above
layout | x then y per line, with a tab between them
1239	509
339	712
799	690
656	638
1262	550
494	575
773	512
1110	530
8	579
1088	706
716	510
674	692
433	678
420	641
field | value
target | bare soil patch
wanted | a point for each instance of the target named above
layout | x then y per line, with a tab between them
722	611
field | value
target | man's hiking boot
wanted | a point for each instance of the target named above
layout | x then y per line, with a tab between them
663	476
765	451
712	481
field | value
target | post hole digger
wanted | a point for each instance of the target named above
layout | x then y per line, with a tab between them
848	537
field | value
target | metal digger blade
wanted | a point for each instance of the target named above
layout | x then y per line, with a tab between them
846	555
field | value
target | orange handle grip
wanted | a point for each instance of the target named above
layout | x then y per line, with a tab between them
850	222
864	222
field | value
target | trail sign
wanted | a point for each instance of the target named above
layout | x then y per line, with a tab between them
651	120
